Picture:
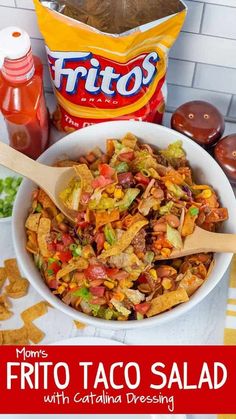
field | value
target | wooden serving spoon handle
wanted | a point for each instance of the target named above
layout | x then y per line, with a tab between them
23	165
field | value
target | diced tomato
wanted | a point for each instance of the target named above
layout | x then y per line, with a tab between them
106	171
65	256
100	182
142	279
140	178
125	178
97	291
95	271
115	273
52	247
111	272
60	247
54	266
142	308
82	224
67	239
128	156
53	283
100	240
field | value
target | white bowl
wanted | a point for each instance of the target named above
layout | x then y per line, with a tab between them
205	168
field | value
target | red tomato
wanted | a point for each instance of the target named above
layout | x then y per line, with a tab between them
54	266
65	256
53	283
67	239
142	308
52	247
60	247
106	171
128	156
100	182
82	224
142	279
97	291
96	271
100	240
111	272
140	178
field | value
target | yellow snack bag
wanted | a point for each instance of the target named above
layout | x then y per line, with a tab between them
99	76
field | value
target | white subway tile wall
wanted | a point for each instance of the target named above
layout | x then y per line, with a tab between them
202	63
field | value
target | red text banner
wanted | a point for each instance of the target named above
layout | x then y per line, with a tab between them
117	379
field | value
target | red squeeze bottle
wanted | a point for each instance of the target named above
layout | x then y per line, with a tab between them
22	101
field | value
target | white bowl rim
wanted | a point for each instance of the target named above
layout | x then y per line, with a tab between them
113	324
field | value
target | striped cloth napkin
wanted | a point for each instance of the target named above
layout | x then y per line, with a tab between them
230	324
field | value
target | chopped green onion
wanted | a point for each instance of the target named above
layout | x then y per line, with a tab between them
50	272
122	167
8	191
193	211
38	208
76	249
82	292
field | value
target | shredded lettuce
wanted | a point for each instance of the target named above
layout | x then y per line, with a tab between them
110	234
122	167
129	197
173	151
148	203
103	204
174	237
135	296
165	209
82	292
71	195
143	160
175	189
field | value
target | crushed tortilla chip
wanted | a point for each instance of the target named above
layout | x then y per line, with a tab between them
15	336
17	289
166	301
35	334
124	241
5	300
3	276
32	222
190	282
129	140
85	176
43	234
13	273
47	203
35	311
78	263
79	325
105	217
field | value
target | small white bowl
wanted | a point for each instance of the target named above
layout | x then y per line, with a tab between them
205	169
4	172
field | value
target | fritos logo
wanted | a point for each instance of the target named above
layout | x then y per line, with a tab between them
85	78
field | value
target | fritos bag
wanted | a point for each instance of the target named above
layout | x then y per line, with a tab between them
111	63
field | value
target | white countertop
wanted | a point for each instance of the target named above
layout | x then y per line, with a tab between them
203	325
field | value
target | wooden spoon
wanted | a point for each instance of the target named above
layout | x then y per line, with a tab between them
203	241
51	179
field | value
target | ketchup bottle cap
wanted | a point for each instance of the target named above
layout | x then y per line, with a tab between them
14	44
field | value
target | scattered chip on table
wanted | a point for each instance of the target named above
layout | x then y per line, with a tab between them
166	301
12	270
35	334
79	325
15	336
35	311
32	222
3	276
17	289
4	312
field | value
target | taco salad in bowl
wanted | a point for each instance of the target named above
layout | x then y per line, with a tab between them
133	201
